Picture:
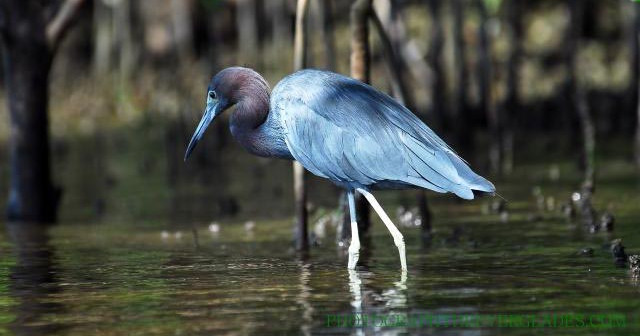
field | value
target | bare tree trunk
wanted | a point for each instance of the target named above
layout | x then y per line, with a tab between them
102	46
277	10
406	49
360	70
182	23
27	62
435	60
123	33
394	65
636	79
326	17
486	103
577	94
29	43
360	52
461	119
512	101
299	187
246	22
579	108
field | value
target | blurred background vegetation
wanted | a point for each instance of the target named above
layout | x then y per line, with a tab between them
127	86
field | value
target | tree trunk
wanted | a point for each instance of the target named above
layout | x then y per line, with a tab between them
182	22
636	79
484	85
326	17
32	197
435	60
28	43
512	101
124	35
407	51
360	52
277	10
299	187
102	32
246	21
361	70
461	119
394	66
27	59
577	94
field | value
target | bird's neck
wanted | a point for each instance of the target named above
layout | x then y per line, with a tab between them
250	113
252	109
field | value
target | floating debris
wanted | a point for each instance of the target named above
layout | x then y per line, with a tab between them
320	227
634	265
617	251
582	201
214	227
539	197
177	235
607	221
575	197
568	210
550	203
586	252
164	234
249	225
498	206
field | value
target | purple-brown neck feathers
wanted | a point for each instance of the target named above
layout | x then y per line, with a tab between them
249	91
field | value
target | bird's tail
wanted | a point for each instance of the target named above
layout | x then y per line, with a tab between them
476	183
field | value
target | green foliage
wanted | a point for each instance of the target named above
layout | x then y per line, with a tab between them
493	5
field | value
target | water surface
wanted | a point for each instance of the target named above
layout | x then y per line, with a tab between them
113	274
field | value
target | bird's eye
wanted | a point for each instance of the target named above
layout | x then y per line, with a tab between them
213	95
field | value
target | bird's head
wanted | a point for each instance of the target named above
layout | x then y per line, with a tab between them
225	89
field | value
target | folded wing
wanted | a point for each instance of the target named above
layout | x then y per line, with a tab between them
349	132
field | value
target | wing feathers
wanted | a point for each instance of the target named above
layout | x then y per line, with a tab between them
346	131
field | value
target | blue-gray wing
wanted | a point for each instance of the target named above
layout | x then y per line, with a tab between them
346	131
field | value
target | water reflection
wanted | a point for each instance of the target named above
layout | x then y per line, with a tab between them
32	279
304	297
367	300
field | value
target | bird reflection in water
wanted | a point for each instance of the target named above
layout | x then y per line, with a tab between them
367	300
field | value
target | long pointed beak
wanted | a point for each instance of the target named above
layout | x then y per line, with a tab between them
207	118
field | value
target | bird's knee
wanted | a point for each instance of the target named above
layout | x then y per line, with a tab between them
399	241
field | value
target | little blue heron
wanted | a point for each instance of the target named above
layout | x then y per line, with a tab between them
340	129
